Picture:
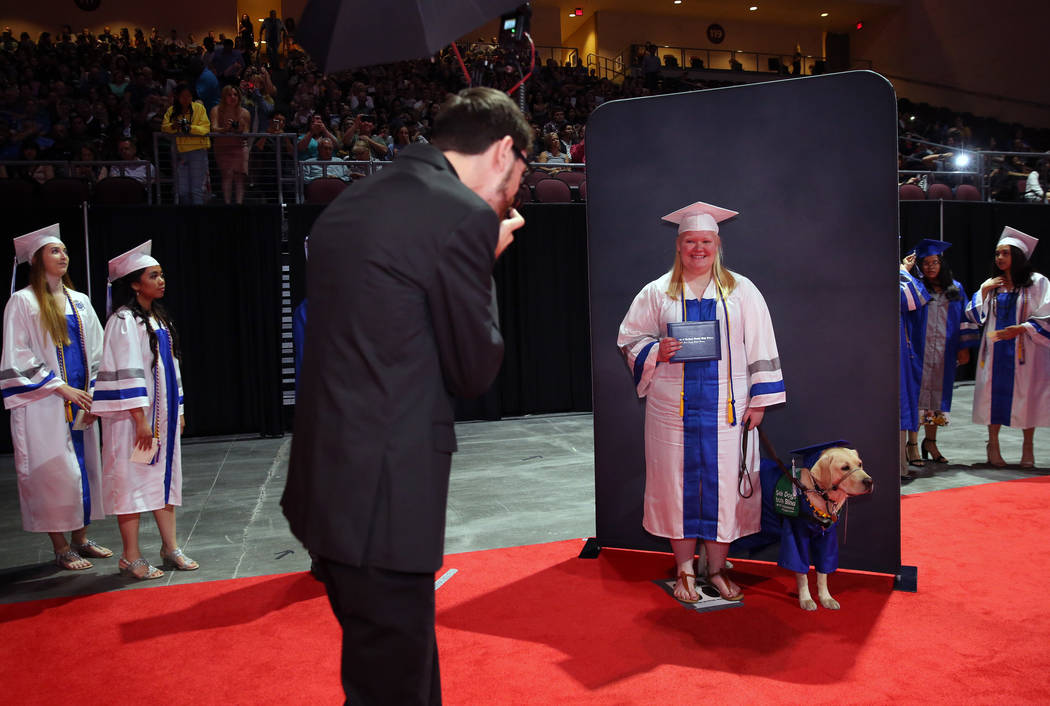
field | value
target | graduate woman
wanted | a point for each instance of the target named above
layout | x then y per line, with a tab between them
1013	366
696	411
941	337
51	351
139	397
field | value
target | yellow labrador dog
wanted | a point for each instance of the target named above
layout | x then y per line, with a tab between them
811	538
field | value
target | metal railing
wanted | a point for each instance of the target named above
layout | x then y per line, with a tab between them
606	67
749	61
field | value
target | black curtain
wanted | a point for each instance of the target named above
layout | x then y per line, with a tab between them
223	273
541	284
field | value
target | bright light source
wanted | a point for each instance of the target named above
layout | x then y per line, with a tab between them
579	12
753	8
677	2
860	25
823	14
962	160
911	117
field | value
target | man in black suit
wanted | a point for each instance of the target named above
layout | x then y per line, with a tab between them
402	317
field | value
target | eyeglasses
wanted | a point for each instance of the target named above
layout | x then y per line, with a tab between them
528	167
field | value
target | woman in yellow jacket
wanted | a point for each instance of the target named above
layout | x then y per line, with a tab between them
189	120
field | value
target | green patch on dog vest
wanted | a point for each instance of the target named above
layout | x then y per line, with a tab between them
785	500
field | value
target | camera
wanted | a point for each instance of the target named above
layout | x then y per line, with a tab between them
183	125
235	125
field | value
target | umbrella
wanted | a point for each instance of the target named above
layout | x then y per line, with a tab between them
345	34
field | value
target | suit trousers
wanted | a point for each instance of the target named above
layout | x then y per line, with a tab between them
389	648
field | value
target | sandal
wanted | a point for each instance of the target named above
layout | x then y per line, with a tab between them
937	457
1027	457
917	462
128	569
682	576
67	559
92	549
175	559
995	459
734	597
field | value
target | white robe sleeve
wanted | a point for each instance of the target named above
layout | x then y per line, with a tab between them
1037	325
640	335
123	375
913	293
765	377
24	377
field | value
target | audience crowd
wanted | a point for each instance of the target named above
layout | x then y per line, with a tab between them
84	97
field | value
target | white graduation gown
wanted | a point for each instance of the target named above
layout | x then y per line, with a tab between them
126	381
692	460
1013	377
59	471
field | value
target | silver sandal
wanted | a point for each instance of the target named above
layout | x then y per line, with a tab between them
127	568
176	559
63	560
92	549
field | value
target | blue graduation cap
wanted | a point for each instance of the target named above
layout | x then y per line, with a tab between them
810	454
927	247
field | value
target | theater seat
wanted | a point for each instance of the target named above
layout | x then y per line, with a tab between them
553	191
571	178
910	192
17	192
967	192
324	189
63	191
939	191
119	190
583	190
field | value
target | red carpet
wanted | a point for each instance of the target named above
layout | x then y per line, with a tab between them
536	625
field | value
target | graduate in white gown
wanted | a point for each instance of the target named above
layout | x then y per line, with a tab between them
1013	368
695	412
139	397
51	350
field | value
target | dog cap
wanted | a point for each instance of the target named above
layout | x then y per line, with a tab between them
137	258
810	454
27	245
927	247
1012	236
699	216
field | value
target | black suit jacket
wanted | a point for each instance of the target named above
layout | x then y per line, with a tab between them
402	316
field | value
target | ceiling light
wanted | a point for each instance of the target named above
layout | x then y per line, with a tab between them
753	8
677	2
823	14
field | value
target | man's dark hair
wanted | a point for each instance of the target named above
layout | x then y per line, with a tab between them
471	120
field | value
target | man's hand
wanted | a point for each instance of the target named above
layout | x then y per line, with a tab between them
507	226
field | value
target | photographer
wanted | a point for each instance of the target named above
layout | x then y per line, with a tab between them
308	142
187	119
361	131
231	154
256	100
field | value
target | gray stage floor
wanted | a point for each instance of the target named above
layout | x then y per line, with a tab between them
514	482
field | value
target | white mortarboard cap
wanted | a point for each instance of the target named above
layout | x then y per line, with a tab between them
26	245
699	216
1012	236
135	259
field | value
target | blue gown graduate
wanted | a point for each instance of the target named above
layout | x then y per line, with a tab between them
939	329
913	298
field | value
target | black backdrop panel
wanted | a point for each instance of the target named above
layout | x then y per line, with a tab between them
809	163
541	284
223	272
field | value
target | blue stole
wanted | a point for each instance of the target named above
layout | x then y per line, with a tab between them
1003	362
171	390
700	436
76	372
